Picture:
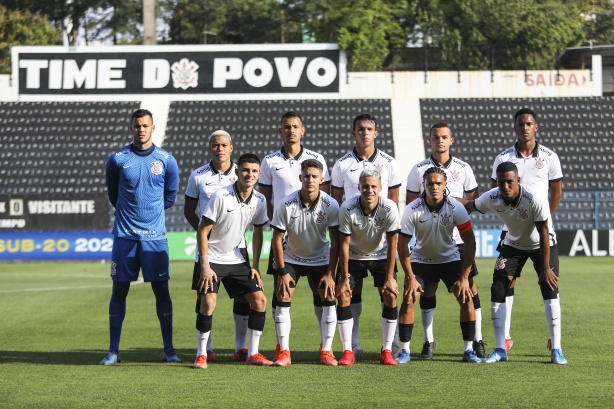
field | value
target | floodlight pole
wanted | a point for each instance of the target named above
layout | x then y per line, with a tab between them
149	22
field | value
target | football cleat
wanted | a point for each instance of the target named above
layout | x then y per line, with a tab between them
427	350
171	356
403	356
498	355
210	355
283	359
258	359
480	349
347	359
509	343
111	358
385	358
471	357
556	356
357	349
200	362
327	358
240	355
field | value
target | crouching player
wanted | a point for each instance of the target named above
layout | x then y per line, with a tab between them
228	215
431	219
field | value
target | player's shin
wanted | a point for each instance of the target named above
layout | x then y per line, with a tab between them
328	324
552	308
427	312
389	325
240	314
256	326
345	322
283	324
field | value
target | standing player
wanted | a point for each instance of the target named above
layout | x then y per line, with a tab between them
433	218
221	230
280	177
345	181
142	181
460	183
303	218
530	236
203	182
368	227
539	168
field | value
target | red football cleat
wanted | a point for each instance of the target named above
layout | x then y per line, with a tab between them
509	343
201	362
258	359
283	359
327	358
386	358
347	359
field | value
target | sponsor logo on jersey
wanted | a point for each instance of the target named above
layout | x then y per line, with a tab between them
500	263
445	219
156	168
184	74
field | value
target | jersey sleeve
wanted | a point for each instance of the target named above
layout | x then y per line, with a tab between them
260	218
461	216
470	183
482	203
325	173
112	179
541	210
345	221
191	190
333	214
213	207
496	163
413	180
394	219
336	179
265	174
555	172
280	219
171	182
395	175
407	223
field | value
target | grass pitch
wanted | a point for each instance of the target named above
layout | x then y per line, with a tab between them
53	333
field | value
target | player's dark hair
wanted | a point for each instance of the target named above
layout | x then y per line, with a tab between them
139	113
311	163
364	117
505	167
524	111
439	125
248	158
290	114
437	171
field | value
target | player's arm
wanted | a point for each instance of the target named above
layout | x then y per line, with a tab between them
410	197
325	187
207	275
257	240
267	192
391	259
469	205
112	180
412	286
284	280
393	194
344	257
555	190
472	195
464	289
189	211
546	275
329	279
337	193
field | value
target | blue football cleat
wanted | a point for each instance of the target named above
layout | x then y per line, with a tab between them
498	355
556	356
403	356
471	357
170	356
111	358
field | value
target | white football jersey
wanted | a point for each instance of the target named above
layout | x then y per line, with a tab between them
305	227
435	242
520	217
535	171
368	231
347	169
231	216
205	181
281	172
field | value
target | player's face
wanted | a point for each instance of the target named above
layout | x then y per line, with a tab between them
440	140
142	128
370	188
435	186
248	174
220	149
311	178
509	185
526	128
291	130
364	133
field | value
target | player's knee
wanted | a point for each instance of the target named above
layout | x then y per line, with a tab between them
547	293
160	289
428	303
498	289
258	302
344	300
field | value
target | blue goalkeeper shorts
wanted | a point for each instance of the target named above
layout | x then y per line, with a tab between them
130	256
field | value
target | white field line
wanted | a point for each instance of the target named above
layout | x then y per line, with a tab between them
80	287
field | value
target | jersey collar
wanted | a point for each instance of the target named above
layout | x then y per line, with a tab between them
379	200
445	165
516	202
297	157
370	159
534	153
215	172
313	205
249	199
144	152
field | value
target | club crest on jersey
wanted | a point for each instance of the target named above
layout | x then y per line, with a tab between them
113	268
500	264
522	213
252	211
185	74
156	168
445	219
539	163
379	222
378	167
320	217
454	176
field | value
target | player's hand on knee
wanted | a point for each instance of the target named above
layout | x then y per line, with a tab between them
391	287
462	290
343	287
256	274
328	285
207	279
284	283
549	278
412	291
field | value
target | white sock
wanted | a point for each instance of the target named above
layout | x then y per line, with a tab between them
240	330
388	327
276	336
509	302
553	318
405	345
254	342
345	333
497	315
201	342
395	340
327	326
282	326
356	311
318	311
478	325
427	324
467	345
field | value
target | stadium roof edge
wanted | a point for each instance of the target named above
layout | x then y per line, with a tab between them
580	57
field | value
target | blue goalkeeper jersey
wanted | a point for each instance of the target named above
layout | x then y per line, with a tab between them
141	184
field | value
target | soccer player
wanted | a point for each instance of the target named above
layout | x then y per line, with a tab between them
539	168
365	155
530	236
432	219
368	227
221	230
280	177
460	183
302	219
142	181
203	182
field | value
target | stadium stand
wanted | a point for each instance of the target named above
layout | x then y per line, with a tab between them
579	130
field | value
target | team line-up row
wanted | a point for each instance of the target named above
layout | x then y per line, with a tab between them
366	232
